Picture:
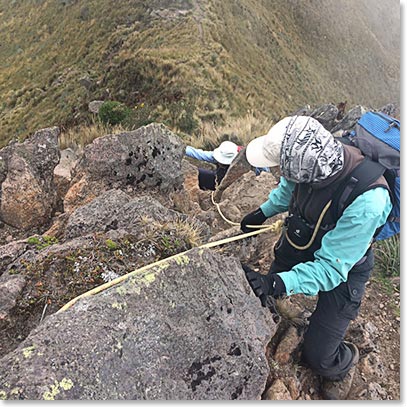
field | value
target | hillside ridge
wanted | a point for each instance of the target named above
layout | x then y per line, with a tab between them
204	61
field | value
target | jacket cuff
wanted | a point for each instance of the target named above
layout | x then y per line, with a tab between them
267	209
290	282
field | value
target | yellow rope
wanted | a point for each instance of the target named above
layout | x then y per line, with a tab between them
118	280
275	227
220	212
234	223
307	246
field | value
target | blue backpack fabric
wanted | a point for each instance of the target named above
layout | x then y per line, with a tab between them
377	135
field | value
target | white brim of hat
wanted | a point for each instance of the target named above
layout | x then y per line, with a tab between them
221	158
255	154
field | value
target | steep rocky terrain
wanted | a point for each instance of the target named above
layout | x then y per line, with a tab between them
106	291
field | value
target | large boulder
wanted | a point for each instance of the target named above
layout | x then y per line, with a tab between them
27	190
148	158
114	209
109	237
190	328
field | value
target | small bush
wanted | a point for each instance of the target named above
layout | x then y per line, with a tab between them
114	113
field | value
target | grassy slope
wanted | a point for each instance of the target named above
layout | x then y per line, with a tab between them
222	56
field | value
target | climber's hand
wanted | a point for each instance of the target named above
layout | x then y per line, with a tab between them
264	285
256	217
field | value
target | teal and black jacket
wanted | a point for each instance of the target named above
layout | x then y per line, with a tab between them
341	241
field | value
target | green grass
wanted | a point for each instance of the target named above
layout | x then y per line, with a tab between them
387	264
215	61
388	257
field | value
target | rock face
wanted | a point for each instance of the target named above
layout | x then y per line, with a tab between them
350	119
10	252
239	166
10	289
246	195
109	237
147	158
63	172
114	209
326	115
27	194
278	391
188	329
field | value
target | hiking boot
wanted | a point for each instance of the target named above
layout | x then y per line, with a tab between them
339	390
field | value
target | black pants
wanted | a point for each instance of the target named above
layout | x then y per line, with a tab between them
323	348
208	179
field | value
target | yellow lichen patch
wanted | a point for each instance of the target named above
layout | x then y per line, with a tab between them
66	384
121	290
182	260
162	266
119	305
28	351
3	395
15	391
148	279
50	395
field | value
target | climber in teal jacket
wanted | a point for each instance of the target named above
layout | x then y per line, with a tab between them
339	253
321	251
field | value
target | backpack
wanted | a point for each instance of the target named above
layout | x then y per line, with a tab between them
377	135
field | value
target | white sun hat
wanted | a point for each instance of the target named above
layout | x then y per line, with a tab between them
264	151
226	152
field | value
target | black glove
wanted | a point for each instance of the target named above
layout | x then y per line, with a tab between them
264	285
256	217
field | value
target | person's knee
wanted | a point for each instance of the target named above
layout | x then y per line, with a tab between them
318	357
313	355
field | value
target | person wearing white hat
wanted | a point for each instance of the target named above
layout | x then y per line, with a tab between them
221	156
324	249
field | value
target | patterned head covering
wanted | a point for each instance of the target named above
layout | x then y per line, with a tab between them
309	152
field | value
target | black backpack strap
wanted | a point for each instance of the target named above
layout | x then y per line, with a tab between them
358	182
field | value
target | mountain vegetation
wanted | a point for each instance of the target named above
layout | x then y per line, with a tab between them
188	63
